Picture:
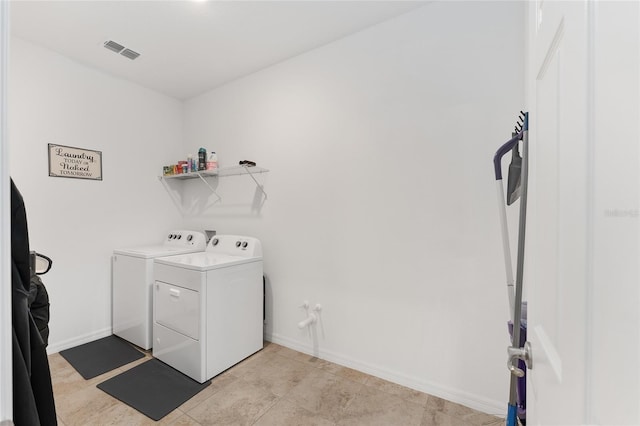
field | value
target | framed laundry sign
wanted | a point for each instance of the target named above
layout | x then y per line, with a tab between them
71	162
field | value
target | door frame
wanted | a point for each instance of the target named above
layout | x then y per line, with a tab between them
6	384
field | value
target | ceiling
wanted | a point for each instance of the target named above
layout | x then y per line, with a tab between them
189	47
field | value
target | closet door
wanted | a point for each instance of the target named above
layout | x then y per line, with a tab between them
582	273
557	258
614	320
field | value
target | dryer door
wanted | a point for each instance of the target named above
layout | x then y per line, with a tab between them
178	309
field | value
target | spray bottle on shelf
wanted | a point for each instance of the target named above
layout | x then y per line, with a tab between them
212	161
190	163
202	159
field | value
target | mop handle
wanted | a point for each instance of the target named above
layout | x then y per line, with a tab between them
502	151
497	165
521	234
506	249
520	260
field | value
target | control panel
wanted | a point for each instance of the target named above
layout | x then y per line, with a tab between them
235	245
183	238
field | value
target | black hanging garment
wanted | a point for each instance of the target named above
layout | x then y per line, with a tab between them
33	403
39	306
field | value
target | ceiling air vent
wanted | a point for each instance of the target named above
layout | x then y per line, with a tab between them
112	45
128	53
118	48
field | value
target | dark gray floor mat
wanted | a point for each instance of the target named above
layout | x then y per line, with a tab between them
95	358
153	388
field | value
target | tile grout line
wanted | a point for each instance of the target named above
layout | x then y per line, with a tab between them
335	375
346	407
278	399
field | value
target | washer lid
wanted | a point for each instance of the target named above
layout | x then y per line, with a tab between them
149	252
205	261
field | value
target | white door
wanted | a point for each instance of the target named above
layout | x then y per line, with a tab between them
582	273
557	266
614	338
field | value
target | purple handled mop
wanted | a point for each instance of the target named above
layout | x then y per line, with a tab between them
516	188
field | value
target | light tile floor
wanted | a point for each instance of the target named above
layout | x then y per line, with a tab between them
275	387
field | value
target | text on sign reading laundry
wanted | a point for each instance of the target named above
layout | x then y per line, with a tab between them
67	161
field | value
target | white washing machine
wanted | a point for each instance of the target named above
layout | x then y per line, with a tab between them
208	307
132	284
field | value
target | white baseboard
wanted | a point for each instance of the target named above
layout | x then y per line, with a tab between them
477	402
76	341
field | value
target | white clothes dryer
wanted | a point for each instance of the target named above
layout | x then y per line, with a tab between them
132	284
208	307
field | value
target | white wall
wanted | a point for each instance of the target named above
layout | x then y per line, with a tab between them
79	222
381	202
